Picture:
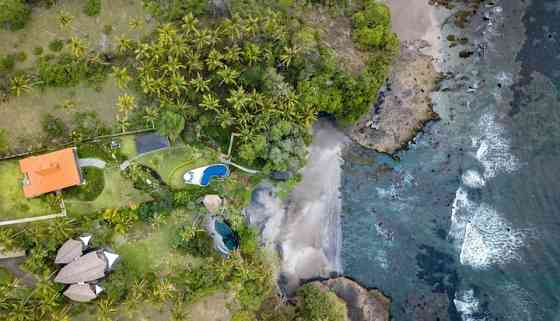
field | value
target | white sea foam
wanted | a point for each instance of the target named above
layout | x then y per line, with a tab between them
493	148
490	239
468	305
482	236
473	179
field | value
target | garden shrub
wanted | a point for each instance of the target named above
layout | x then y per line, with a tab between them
14	14
4	147
21	56
94	185
92	8
316	304
37	51
7	63
54	127
61	71
56	45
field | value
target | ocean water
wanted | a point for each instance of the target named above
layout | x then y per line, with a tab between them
466	226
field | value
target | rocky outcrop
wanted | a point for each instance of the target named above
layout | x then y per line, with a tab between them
362	304
404	105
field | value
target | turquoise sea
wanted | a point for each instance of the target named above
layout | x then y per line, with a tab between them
466	226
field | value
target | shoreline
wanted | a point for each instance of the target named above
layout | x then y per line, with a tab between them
404	105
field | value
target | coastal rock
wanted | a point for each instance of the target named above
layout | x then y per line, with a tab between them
362	304
404	106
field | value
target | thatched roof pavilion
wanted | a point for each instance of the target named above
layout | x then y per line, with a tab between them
71	250
89	267
82	292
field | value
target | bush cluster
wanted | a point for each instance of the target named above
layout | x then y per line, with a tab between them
92	7
14	14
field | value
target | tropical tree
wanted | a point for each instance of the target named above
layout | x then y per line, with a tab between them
151	115
20	84
171	124
288	55
228	75
210	102
126	104
64	19
77	47
121	76
200	84
251	53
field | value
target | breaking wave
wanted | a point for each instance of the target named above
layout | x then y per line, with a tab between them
468	306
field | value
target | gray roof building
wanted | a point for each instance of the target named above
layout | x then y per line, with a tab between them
89	267
71	250
82	292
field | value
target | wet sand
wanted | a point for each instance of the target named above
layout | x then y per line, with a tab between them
416	20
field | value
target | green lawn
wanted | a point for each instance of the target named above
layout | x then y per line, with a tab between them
5	276
172	163
118	192
13	203
128	146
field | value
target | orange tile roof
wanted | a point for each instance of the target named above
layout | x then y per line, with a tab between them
50	172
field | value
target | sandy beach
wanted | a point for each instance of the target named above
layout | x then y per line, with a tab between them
416	20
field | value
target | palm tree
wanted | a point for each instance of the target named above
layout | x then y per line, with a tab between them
238	98
252	25
228	75
77	47
195	62
123	122
214	60
126	104
105	309
20	84
172	65
190	23
151	115
251	53
232	55
200	84
289	55
210	102
64	19
177	84
135	23
203	38
121	76
124	44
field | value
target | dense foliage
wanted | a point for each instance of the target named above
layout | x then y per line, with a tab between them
14	14
92	7
258	72
316	304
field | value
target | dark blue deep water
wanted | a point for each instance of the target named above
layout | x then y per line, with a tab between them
466	226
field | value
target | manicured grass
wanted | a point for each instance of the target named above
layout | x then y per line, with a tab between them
171	164
94	183
128	146
153	252
13	203
5	276
118	192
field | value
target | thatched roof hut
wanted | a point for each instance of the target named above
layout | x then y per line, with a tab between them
89	267
82	292
71	250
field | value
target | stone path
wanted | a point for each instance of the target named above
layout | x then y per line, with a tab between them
91	162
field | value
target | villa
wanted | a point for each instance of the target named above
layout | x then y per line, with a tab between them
50	172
